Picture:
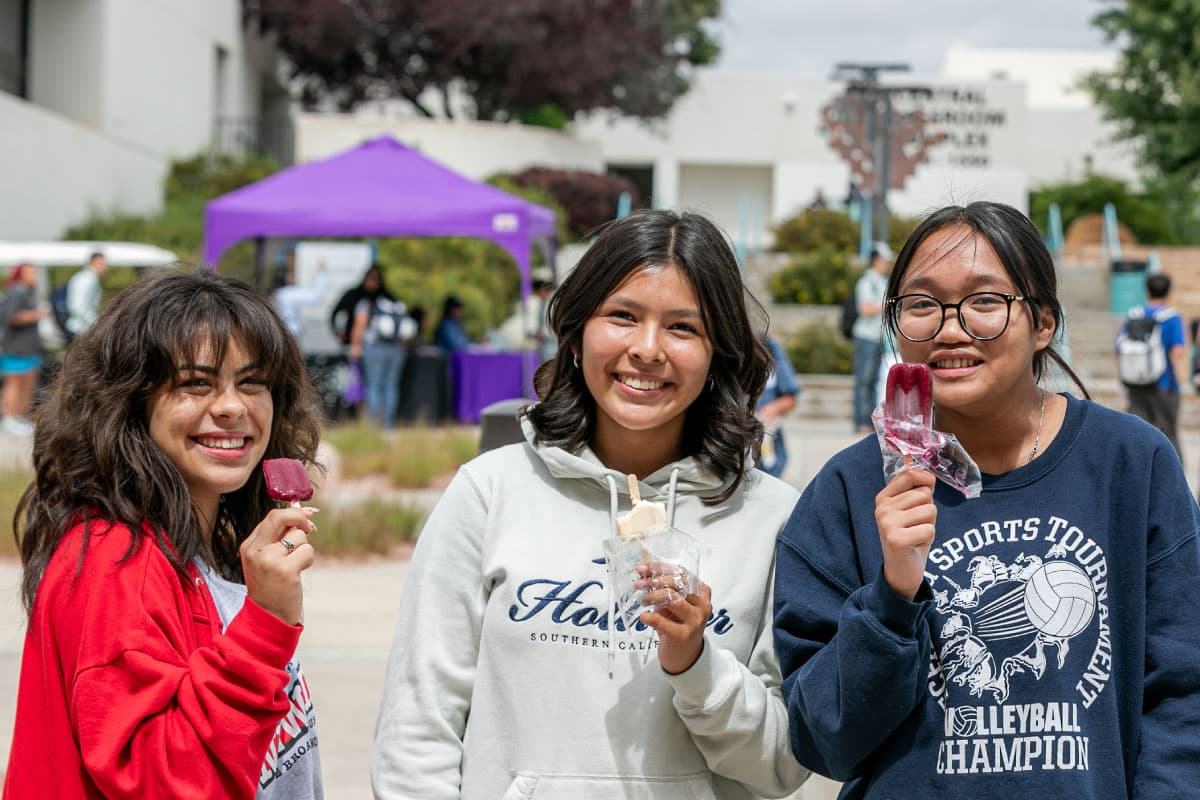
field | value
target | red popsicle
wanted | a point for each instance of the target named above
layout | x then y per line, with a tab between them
286	480
909	395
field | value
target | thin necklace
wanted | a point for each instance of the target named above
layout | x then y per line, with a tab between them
1037	437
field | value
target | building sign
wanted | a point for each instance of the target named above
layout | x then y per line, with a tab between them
971	122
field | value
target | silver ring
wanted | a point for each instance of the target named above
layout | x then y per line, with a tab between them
287	545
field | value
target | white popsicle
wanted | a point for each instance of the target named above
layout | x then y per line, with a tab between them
645	517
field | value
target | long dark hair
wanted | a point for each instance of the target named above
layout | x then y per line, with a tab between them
720	429
1021	251
92	453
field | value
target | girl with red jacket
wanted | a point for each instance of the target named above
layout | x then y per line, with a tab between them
162	585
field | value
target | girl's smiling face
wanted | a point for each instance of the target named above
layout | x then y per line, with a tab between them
645	358
950	264
213	422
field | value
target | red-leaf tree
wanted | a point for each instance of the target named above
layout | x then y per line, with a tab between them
514	59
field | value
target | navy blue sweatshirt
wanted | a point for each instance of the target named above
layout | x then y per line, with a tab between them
1054	647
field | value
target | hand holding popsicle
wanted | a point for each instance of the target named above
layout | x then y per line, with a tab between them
907	521
680	624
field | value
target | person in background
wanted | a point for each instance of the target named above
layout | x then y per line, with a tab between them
162	583
1036	641
777	399
510	675
341	318
450	334
417	314
83	295
1158	403
381	337
543	337
21	347
868	333
291	299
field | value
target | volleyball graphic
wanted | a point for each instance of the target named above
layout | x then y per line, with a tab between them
965	721
1059	599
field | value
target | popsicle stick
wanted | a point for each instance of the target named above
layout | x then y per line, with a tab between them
634	495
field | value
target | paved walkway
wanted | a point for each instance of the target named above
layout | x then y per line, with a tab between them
350	611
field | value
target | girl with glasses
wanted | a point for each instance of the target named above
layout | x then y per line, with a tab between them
1033	640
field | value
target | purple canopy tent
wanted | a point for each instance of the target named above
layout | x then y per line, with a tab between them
380	188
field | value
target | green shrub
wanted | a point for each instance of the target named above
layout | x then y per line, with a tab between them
899	229
412	458
820	349
206	176
12	484
422	272
364	528
817	229
1144	215
589	198
179	227
822	277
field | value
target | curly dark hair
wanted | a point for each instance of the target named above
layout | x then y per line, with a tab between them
720	430
92	453
1023	254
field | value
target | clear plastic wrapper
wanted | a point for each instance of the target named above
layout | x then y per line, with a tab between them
672	557
938	452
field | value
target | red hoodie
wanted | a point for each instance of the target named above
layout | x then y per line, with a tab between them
128	687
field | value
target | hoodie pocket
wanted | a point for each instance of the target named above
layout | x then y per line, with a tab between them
532	786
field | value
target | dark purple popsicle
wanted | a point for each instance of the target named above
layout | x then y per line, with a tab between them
287	480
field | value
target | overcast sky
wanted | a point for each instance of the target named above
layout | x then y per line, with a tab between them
807	37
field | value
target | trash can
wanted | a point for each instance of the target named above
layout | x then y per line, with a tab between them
1127	285
499	424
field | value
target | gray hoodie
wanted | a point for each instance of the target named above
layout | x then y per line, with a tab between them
498	681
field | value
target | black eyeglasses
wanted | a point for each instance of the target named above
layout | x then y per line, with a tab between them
983	315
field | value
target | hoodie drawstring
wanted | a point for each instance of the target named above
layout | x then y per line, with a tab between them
612	578
671	496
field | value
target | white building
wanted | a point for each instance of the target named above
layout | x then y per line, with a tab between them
1064	130
750	150
97	96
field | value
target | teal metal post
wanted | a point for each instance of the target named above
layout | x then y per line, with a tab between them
1112	236
739	247
1055	230
624	204
864	238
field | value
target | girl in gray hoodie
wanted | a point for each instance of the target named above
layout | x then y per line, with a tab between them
510	676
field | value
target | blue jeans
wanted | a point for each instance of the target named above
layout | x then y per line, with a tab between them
866	373
382	365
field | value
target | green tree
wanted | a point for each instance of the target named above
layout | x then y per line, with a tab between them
1153	93
539	60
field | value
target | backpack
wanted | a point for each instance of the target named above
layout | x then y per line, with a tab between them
1141	356
58	305
849	315
390	321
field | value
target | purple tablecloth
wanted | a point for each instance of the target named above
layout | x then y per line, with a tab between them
482	378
